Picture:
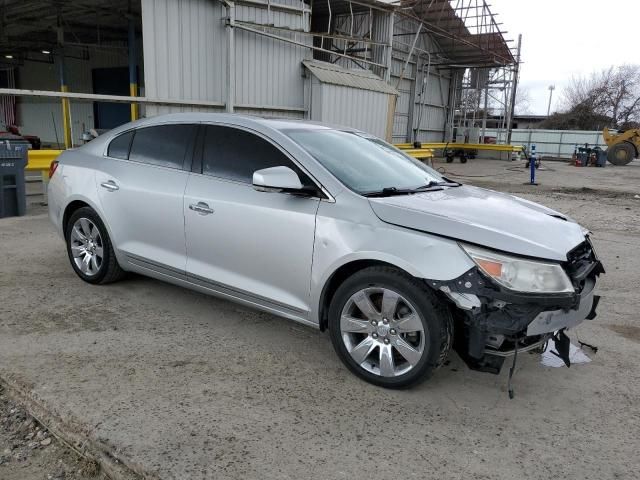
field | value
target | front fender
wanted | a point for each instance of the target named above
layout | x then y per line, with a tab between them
340	242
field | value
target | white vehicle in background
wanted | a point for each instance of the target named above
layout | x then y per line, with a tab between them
329	227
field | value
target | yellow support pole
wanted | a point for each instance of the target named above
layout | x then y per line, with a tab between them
133	91
66	109
66	119
133	74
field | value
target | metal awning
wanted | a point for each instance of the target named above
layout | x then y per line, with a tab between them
465	30
347	77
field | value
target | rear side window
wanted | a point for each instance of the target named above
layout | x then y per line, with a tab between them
162	145
235	154
119	146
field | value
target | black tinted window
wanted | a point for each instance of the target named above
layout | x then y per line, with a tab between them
163	145
119	146
235	154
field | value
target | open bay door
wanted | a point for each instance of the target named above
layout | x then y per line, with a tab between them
351	97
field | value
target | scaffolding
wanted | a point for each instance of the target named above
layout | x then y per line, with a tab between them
427	40
413	43
484	68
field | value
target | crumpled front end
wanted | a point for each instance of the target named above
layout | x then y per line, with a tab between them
493	322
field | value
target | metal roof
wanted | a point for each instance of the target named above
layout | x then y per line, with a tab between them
467	32
30	25
336	75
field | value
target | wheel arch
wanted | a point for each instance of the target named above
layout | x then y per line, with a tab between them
338	276
69	210
77	202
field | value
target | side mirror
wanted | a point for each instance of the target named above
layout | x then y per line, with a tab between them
276	179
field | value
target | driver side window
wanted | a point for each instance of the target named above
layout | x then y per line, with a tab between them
234	154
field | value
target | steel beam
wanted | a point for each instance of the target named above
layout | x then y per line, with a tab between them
231	56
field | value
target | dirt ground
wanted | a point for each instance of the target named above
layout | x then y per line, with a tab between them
28	451
177	385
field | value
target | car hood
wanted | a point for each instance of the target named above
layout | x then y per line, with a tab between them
483	217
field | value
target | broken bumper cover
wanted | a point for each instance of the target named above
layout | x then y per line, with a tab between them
554	320
492	321
502	311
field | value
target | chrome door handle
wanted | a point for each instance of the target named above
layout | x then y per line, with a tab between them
110	185
201	207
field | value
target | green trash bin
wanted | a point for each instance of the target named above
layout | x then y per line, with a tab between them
13	160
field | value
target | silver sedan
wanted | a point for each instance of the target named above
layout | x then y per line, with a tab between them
329	227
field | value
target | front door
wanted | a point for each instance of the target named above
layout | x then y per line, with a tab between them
141	191
254	245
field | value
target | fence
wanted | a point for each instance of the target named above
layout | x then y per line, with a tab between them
551	143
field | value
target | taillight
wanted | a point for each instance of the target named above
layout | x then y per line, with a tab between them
52	168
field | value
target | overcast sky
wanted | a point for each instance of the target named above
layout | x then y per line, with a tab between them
561	38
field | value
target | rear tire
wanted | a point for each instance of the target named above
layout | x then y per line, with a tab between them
89	248
412	334
621	153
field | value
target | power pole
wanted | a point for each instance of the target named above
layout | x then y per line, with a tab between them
551	89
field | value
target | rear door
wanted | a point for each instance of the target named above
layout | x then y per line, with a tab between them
141	185
256	245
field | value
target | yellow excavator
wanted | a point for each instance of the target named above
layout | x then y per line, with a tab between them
622	147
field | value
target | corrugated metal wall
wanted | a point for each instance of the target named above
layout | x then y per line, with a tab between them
185	54
43	117
553	143
431	107
362	109
185	51
269	71
428	113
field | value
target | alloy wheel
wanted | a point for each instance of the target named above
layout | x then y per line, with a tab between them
382	331
86	246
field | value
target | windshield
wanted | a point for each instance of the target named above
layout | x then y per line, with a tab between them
364	163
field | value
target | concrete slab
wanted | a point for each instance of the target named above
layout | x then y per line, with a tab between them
179	385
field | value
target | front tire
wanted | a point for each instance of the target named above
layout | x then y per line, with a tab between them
389	328
89	248
621	153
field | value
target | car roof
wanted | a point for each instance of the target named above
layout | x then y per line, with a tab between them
275	123
279	124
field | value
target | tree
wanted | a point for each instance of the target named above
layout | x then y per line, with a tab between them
580	117
610	97
523	101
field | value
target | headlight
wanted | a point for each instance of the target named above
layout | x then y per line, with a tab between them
519	274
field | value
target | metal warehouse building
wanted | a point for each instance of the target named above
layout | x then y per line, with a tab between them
403	71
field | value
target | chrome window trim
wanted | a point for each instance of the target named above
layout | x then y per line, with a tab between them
329	197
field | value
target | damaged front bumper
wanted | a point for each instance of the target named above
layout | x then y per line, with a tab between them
493	322
554	320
